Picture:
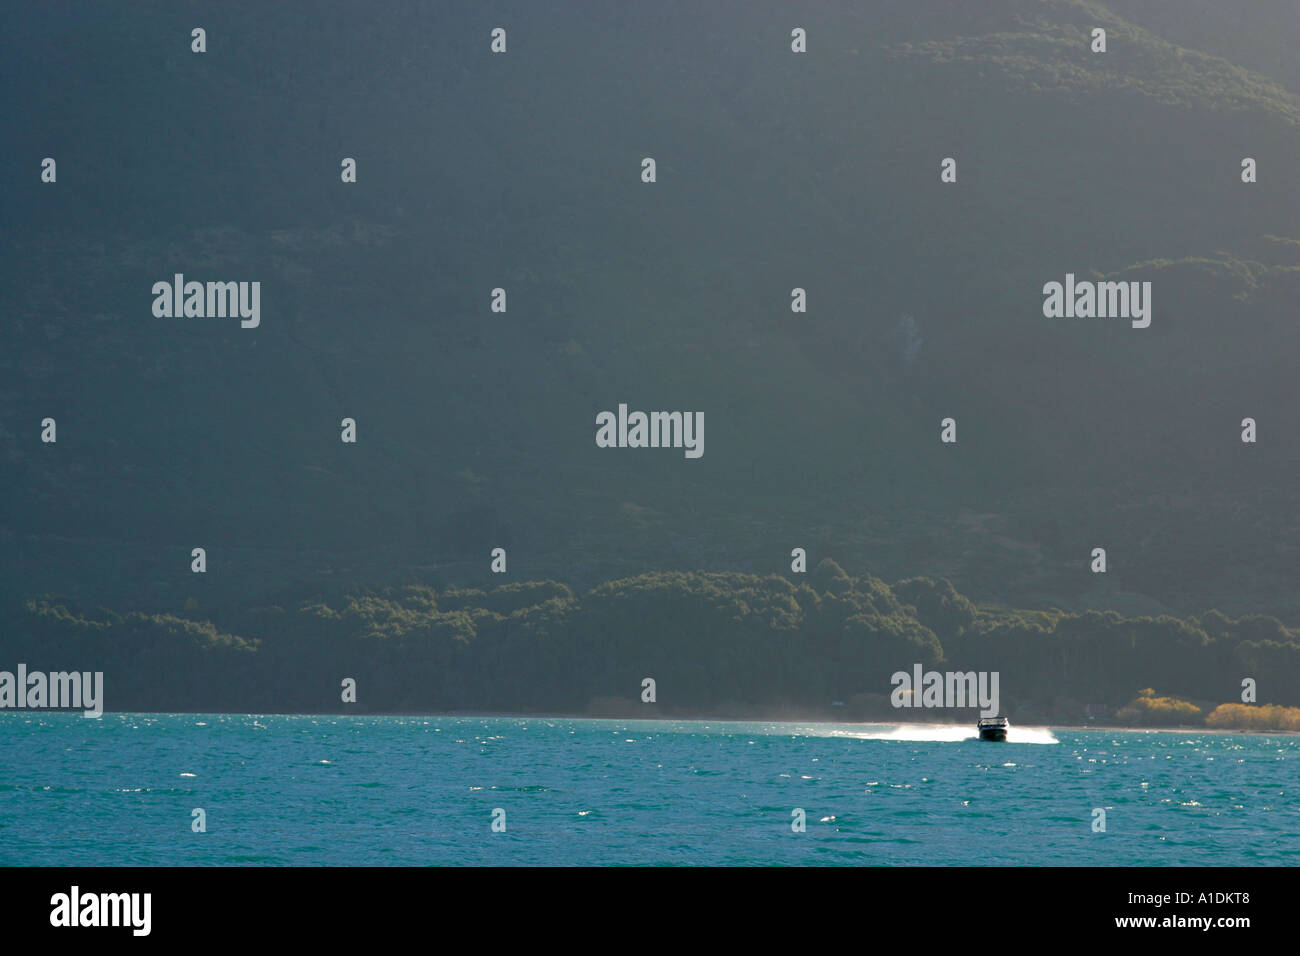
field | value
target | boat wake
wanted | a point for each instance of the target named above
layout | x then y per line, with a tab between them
949	732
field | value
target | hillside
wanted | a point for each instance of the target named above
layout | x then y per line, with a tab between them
775	171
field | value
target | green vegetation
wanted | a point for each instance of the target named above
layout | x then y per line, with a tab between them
1042	54
1148	710
715	643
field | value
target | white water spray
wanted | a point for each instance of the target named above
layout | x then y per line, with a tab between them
946	732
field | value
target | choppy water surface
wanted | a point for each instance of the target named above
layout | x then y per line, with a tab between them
422	790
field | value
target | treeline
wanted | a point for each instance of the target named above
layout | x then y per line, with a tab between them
713	643
1246	717
1148	710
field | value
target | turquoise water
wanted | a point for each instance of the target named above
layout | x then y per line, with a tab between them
313	790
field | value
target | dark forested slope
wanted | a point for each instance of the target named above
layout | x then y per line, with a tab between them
775	171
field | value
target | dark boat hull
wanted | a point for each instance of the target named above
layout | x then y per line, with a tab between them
994	733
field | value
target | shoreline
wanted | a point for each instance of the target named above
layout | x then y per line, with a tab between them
785	719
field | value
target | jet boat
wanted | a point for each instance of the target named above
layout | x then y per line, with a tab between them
993	728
